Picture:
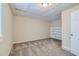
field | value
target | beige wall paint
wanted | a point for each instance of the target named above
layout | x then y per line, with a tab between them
28	29
6	42
56	29
66	30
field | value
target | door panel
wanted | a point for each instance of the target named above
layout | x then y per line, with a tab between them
75	32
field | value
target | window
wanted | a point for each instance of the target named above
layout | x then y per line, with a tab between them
0	19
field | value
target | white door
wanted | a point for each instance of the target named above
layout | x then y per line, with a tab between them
75	32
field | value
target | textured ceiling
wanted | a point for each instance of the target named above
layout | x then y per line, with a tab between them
35	10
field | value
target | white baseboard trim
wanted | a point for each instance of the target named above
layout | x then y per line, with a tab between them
30	40
66	48
10	49
75	52
55	38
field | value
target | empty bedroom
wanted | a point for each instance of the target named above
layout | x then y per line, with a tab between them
39	29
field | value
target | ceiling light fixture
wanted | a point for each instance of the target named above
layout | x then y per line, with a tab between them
45	4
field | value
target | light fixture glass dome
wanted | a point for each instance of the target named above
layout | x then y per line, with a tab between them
45	4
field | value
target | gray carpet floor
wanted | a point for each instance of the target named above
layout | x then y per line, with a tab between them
46	47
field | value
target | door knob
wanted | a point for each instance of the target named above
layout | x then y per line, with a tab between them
71	34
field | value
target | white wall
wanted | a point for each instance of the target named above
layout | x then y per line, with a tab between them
56	29
6	42
66	27
0	19
28	29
